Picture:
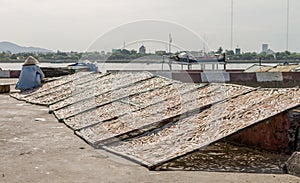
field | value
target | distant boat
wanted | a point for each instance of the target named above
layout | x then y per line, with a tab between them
84	66
79	66
57	71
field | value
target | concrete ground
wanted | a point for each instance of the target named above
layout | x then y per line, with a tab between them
36	148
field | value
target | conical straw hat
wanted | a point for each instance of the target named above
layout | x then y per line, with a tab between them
31	61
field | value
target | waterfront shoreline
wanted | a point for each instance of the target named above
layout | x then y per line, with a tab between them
156	61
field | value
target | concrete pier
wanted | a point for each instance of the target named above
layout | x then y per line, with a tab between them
36	148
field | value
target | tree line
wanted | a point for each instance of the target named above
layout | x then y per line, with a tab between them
124	54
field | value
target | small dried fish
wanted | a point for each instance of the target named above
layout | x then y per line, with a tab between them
195	132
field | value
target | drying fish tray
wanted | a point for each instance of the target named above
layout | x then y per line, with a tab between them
188	135
25	96
81	120
154	116
146	83
97	88
85	107
120	93
106	98
115	81
103	113
154	120
71	85
50	96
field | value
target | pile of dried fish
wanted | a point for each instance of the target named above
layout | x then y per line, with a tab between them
53	84
63	80
110	96
85	93
130	121
154	114
96	90
78	85
152	84
283	68
98	85
70	86
153	119
108	83
102	113
160	94
197	131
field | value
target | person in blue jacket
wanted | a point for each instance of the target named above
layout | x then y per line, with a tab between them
31	75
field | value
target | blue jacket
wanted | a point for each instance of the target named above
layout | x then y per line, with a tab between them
30	77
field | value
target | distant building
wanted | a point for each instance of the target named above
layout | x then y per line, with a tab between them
142	50
238	51
265	48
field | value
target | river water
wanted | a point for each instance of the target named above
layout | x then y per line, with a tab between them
135	66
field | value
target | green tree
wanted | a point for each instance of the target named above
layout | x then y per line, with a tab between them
229	52
133	52
125	52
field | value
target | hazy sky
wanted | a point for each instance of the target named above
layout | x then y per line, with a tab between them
75	24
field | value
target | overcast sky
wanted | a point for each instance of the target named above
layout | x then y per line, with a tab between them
77	24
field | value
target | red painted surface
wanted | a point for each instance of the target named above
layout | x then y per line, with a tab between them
269	135
192	71
187	77
291	76
240	77
15	73
195	76
238	71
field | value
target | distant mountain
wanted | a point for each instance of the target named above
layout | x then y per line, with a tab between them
14	48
